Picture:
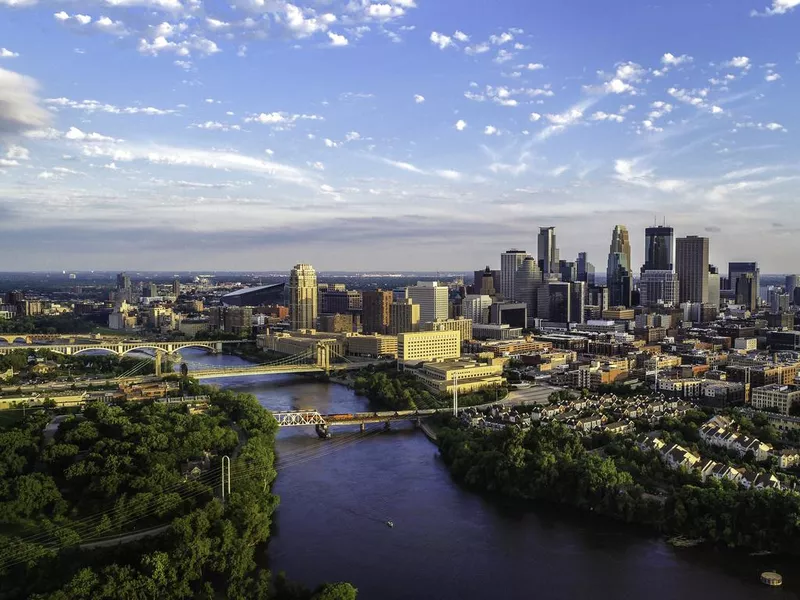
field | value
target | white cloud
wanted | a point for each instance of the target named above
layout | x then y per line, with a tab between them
534	66
602	116
761	126
185	47
110	27
385	11
167	5
216	24
419	99
46	175
738	62
331	144
461	36
503	56
440	40
626	171
280	120
4	162
19	106
461	125
503	38
352	136
535	116
478	48
716	110
778	7
660	108
490	130
242	52
75	19
405	166
76	135
337	40
570	117
670	60
17	153
772	77
6	53
448	174
693	97
92	106
317	165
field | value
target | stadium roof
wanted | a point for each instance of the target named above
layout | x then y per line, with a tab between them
245	291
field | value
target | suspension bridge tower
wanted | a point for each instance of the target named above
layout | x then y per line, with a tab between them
323	356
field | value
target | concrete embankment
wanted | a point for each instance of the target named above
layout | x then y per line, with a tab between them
429	433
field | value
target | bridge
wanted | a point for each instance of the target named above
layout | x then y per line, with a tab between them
305	418
120	348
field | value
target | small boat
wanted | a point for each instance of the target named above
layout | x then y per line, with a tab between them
389	524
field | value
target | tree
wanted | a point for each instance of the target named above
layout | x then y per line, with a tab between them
335	591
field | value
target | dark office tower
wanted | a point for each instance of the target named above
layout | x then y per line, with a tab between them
554	302
618	270
792	282
568	270
509	263
176	287
691	265
485	282
747	291
598	296
376	310
737	268
548	251
527	282
585	269
123	281
577	302
658	249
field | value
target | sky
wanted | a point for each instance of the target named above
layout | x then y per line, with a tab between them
393	134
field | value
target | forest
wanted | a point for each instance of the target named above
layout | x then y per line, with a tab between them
117	470
550	463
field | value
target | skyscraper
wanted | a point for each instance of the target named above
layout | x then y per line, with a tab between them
376	311
527	284
476	307
568	270
404	316
713	285
658	253
585	269
659	287
509	263
303	297
176	287
747	291
691	265
548	250
432	299
618	271
792	282
737	268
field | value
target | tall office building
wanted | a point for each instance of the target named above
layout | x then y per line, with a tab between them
176	287
376	312
432	298
568	270
476	307
792	283
659	287
585	269
123	281
735	269
714	291
509	263
658	252
487	282
303	297
404	317
618	270
548	250
747	291
691	265
577	302
527	283
555	299
778	302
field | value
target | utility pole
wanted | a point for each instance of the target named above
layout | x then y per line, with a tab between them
226	460
455	394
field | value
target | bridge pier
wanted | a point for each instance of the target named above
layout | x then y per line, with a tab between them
387	426
322	431
363	427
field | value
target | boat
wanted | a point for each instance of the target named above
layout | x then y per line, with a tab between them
389	524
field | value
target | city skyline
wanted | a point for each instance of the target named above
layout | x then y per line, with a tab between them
415	128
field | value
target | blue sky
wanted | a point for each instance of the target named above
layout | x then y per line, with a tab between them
392	134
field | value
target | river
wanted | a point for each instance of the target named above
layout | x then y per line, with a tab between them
447	542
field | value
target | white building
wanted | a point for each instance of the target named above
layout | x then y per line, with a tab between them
476	307
428	345
509	263
432	299
780	397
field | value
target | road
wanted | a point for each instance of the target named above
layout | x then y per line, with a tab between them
51	428
537	394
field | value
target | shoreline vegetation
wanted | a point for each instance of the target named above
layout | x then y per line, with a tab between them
116	470
550	463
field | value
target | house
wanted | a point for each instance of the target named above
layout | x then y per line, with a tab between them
706	468
721	471
618	427
788	458
678	456
745	444
589	423
759	481
650	441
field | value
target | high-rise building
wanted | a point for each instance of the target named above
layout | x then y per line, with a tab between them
737	268
598	296
527	283
404	317
303	297
585	269
462	325
747	291
792	283
476	307
659	287
618	271
778	301
176	287
555	300
123	281
577	302
487	282
658	252
509	263
376	311
341	301
714	291
568	270
548	250
691	265
514	314
429	345
432	298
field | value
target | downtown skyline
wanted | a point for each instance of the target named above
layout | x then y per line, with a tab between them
393	135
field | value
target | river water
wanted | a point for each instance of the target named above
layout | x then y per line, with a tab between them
336	496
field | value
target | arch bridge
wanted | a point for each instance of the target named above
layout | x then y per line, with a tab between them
121	348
